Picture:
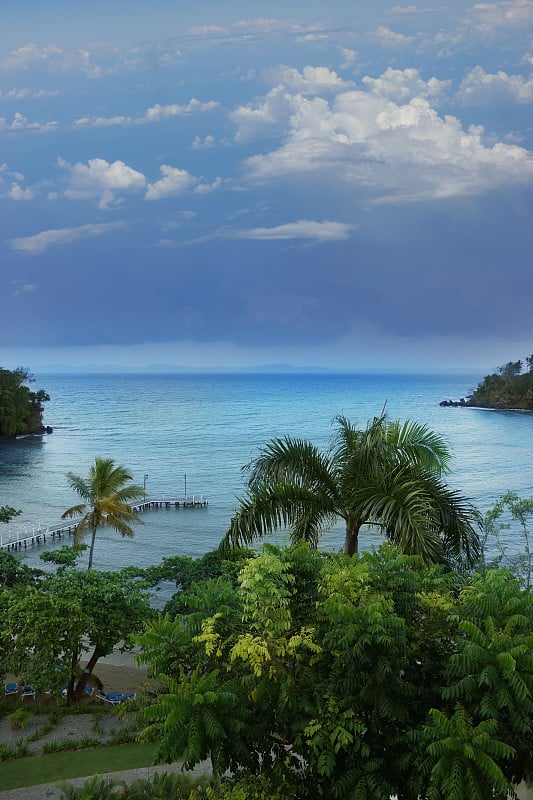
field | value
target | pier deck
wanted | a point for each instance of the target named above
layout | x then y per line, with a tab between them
22	541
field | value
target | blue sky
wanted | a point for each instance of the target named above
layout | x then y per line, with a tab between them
234	184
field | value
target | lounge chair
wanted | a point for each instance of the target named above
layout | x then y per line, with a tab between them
28	691
114	698
11	688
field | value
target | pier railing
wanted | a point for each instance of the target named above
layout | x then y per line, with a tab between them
40	535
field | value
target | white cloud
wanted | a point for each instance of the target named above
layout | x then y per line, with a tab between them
310	80
22	123
174	181
99	179
325	231
485	87
509	13
16	192
26	288
401	85
283	100
30	53
40	242
349	57
28	94
388	37
202	144
390	150
156	113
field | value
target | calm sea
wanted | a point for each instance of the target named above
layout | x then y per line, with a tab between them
202	429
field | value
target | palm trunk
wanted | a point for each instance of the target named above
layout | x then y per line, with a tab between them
351	541
93	537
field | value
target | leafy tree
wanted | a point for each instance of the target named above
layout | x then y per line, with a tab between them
388	678
508	387
20	408
13	572
106	495
508	510
388	476
62	615
7	513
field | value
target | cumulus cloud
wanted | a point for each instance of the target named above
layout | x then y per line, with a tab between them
174	181
16	192
391	149
201	144
51	55
485	87
156	113
40	242
22	123
402	84
29	54
325	231
310	80
283	100
388	37
99	179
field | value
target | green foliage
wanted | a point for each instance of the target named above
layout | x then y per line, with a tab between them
63	557
464	757
105	494
508	387
388	476
509	512
362	677
7	513
61	615
20	408
13	572
164	786
18	719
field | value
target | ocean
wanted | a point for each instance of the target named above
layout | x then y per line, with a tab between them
198	431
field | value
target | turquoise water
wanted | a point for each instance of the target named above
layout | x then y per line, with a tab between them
206	427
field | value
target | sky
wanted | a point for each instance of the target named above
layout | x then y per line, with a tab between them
229	185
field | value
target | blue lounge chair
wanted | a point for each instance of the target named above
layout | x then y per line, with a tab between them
11	688
28	691
114	698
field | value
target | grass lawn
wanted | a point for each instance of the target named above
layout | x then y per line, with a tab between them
56	767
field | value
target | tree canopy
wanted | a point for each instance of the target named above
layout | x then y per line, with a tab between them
387	476
361	677
106	494
20	408
57	617
508	387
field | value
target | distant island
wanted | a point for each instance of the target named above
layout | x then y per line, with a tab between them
21	409
510	387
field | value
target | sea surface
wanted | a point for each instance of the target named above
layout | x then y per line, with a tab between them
199	431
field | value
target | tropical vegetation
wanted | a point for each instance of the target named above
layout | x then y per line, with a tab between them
337	677
21	409
106	494
509	387
388	476
58	617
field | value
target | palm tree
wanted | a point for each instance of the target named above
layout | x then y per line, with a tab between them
106	497
388	476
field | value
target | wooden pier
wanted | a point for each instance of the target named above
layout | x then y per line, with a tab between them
22	541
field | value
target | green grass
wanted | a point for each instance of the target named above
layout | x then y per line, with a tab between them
74	764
